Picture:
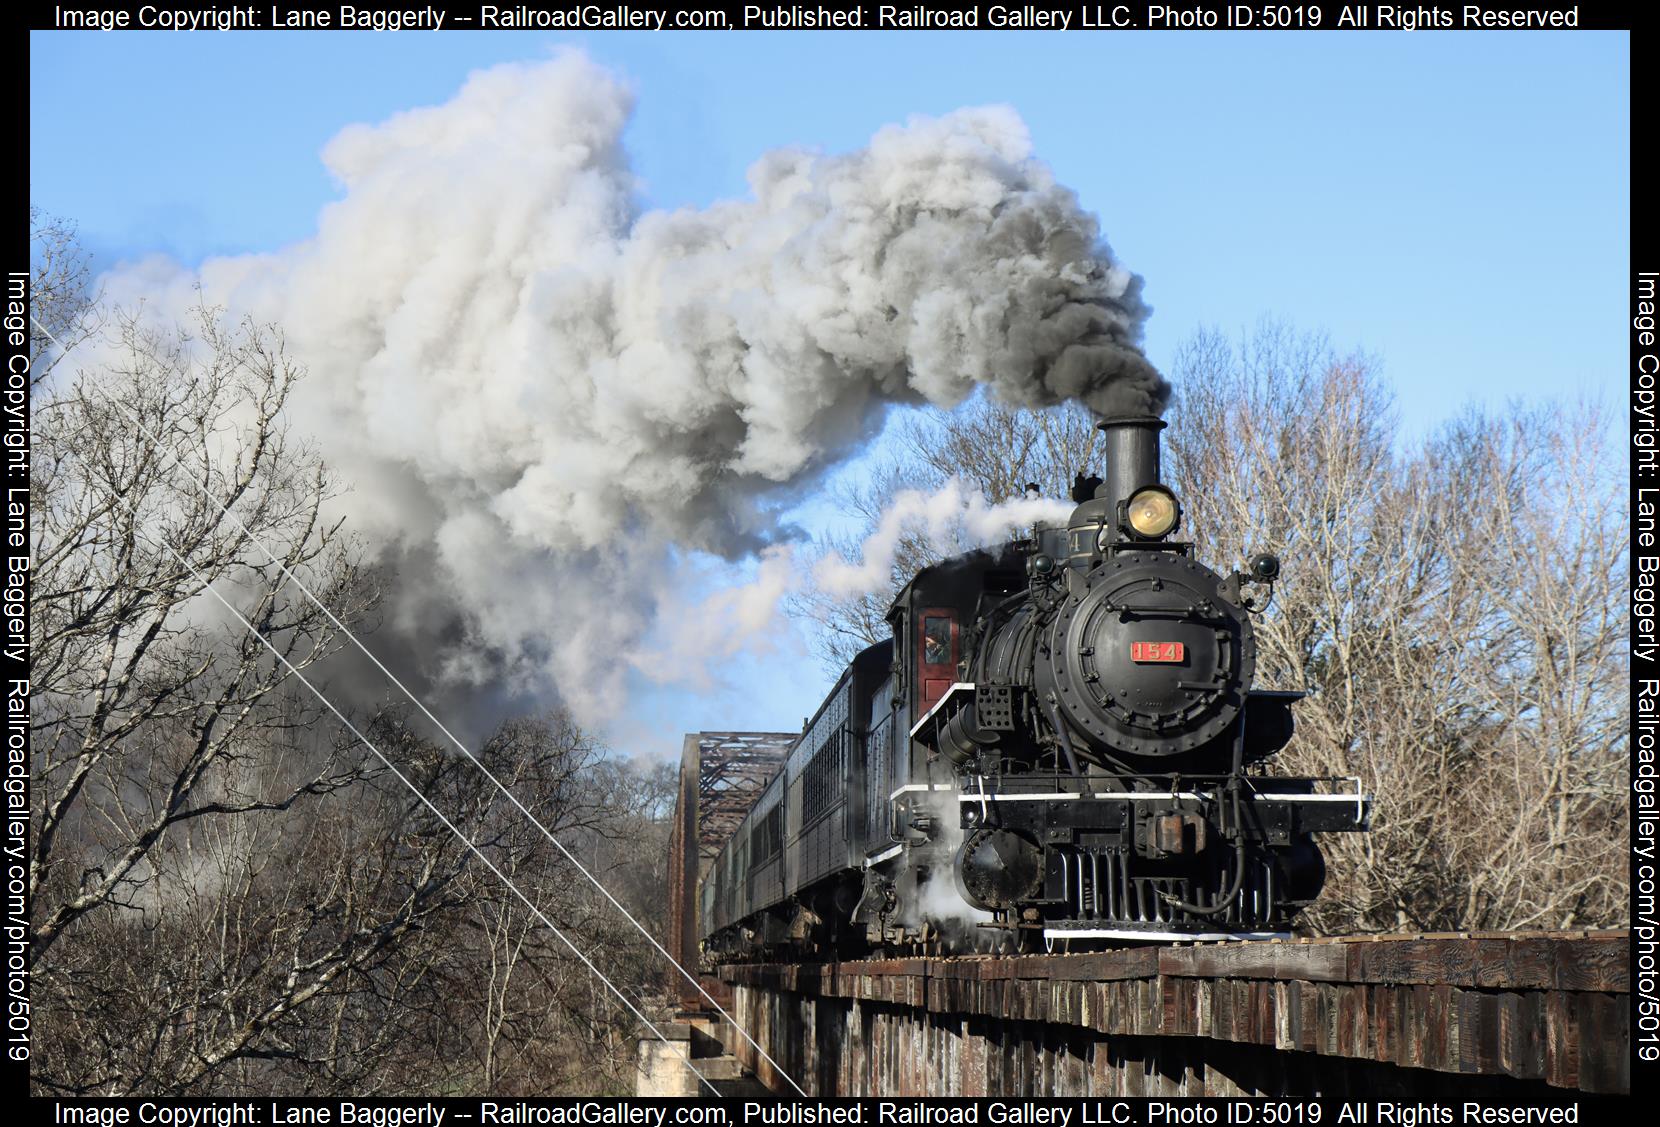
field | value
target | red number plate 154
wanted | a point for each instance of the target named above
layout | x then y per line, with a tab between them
1156	651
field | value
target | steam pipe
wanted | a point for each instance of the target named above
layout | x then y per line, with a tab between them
1060	731
1238	877
1235	781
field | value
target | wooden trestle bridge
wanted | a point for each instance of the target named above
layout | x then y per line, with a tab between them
1415	1016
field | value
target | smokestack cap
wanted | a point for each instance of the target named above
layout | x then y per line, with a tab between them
1112	422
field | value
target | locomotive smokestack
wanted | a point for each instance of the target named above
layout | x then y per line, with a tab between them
1132	457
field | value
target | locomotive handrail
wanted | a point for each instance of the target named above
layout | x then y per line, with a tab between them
1131	795
913	788
949	693
1360	798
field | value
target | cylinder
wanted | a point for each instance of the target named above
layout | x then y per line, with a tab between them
1132	457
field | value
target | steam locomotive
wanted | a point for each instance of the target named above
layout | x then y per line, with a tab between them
1059	746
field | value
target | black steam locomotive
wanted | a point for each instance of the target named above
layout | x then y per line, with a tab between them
1059	746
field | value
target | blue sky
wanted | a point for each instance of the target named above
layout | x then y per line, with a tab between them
1455	203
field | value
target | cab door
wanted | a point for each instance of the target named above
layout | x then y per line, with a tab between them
937	646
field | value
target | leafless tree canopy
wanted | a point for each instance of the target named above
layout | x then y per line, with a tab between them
996	448
1451	606
232	894
60	285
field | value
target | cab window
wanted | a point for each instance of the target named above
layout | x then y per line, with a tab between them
936	640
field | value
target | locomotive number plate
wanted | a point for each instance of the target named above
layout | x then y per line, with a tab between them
1156	651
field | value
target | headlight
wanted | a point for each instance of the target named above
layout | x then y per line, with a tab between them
1153	512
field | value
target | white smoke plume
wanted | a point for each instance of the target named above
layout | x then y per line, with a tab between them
953	518
543	395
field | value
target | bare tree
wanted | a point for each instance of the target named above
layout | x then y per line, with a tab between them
61	295
128	641
1542	560
159	722
1000	449
543	1021
1453	620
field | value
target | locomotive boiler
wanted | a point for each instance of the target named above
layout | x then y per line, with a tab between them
1060	745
